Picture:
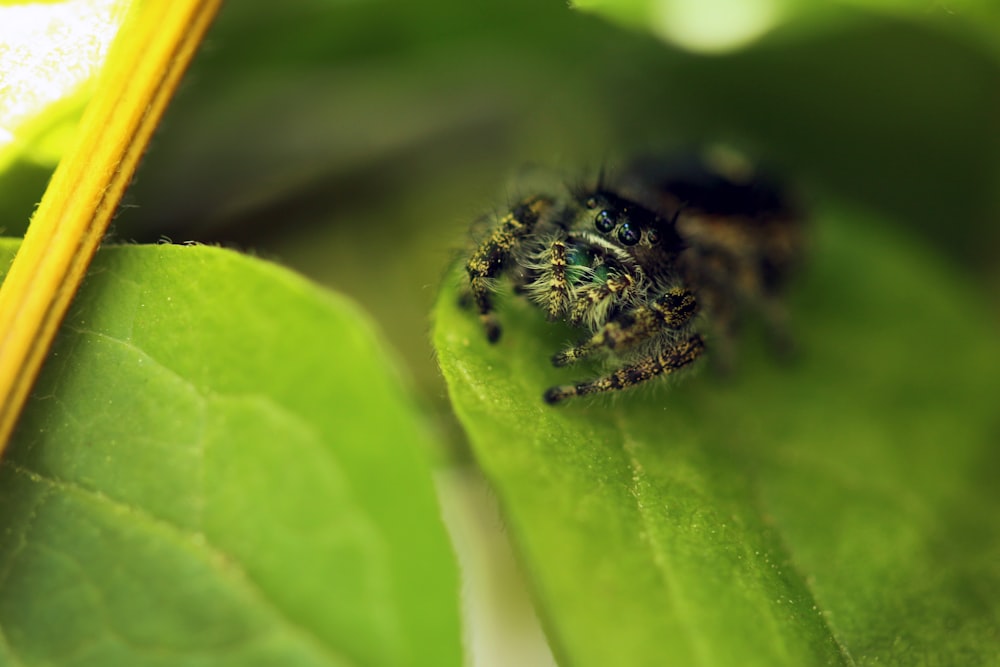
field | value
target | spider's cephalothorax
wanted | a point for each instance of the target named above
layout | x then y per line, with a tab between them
632	265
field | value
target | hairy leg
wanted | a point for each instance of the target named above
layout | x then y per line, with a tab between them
492	255
671	310
665	362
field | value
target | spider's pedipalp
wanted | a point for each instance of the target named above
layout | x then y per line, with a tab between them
670	311
551	289
595	300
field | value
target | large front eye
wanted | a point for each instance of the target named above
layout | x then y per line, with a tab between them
628	234
604	221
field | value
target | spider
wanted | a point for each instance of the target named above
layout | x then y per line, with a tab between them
640	265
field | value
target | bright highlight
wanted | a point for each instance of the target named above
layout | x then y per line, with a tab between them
47	51
715	26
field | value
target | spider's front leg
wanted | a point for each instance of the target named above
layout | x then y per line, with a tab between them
663	362
493	254
672	310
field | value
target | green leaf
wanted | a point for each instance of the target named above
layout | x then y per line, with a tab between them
839	510
219	466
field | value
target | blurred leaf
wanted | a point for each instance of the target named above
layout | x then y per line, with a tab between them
705	26
842	510
296	113
219	466
21	188
894	115
727	25
324	101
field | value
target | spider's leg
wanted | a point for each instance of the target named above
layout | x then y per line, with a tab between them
671	310
679	355
492	255
593	302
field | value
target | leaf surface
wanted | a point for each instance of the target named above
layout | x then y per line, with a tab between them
219	466
840	510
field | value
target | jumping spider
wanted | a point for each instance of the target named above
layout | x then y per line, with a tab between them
633	263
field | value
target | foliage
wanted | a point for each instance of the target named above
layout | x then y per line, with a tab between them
828	512
221	464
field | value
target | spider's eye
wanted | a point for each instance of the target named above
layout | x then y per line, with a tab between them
604	221
628	234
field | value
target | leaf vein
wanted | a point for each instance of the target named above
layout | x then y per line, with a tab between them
660	558
234	575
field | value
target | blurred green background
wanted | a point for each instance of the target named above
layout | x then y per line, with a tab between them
355	140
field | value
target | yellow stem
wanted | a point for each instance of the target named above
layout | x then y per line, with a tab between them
143	69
